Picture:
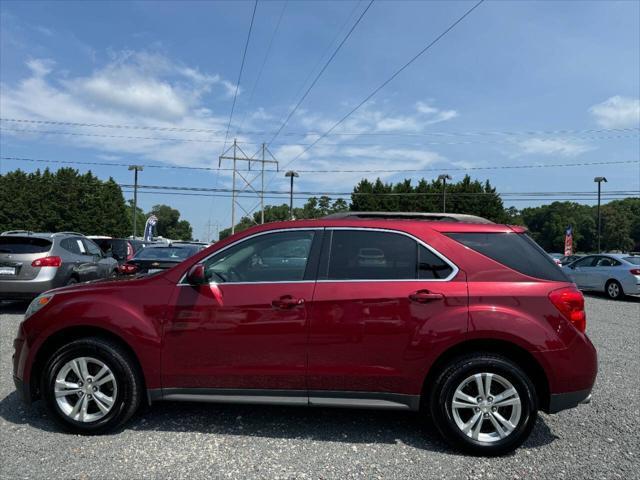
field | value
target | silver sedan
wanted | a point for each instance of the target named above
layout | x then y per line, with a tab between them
614	274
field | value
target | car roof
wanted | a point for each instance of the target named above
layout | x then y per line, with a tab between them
389	224
423	216
48	235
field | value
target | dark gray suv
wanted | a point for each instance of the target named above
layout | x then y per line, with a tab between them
31	263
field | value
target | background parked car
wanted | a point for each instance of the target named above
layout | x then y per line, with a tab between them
122	249
614	274
31	263
556	257
154	258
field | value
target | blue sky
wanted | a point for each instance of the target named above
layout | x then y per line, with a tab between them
509	67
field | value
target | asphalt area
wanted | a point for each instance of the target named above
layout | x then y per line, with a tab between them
178	440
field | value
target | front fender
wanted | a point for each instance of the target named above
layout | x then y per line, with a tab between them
134	314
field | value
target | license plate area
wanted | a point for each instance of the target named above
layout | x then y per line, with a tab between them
7	271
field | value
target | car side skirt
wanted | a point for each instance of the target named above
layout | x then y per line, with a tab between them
315	398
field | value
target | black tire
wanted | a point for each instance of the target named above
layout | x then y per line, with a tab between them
129	385
613	290
454	374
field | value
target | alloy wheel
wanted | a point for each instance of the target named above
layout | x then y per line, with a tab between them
613	290
85	389
486	407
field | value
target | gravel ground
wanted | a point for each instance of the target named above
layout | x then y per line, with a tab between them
174	440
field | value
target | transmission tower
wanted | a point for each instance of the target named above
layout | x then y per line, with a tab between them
248	177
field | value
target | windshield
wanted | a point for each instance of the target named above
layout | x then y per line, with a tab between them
170	254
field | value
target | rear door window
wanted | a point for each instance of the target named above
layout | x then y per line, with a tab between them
24	245
516	251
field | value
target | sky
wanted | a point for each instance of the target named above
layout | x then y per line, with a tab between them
153	83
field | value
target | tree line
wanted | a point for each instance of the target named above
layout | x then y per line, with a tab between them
66	200
547	224
71	201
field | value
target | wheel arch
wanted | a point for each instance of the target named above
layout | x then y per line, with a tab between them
510	350
69	334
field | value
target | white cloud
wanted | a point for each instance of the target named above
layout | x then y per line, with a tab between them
617	112
435	115
553	146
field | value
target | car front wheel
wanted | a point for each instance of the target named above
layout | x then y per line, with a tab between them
91	386
484	404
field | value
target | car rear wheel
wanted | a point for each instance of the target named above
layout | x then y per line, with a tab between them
91	386
613	289
484	404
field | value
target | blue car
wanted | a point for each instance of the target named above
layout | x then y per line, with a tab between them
615	274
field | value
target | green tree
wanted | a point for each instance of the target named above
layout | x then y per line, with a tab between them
169	224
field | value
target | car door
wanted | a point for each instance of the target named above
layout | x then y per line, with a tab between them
246	329
382	301
602	271
580	271
83	265
103	265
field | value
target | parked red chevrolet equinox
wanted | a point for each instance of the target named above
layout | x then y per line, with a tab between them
470	323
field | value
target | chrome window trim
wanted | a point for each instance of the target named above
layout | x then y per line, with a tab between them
182	283
453	266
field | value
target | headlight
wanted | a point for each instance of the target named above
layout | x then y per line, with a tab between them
39	302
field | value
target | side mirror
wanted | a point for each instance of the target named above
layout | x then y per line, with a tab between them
196	275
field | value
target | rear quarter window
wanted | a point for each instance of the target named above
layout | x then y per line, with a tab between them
514	250
24	245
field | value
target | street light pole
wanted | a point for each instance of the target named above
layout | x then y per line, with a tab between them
291	174
599	181
443	178
136	169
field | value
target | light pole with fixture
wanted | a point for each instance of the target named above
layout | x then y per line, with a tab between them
443	178
136	169
599	181
291	174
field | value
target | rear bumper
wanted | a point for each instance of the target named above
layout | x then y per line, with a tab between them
25	289
564	401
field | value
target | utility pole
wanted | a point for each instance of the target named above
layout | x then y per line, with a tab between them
291	174
443	178
599	181
136	169
248	182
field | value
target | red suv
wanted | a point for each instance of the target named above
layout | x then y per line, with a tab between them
470	323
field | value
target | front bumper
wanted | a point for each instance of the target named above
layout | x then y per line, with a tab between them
564	401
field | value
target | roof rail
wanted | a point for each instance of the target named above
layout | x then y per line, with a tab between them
13	232
68	233
430	217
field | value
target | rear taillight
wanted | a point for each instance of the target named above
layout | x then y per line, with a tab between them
570	303
47	262
128	269
129	251
635	271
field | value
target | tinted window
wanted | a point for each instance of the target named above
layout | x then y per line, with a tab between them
273	257
634	260
371	255
72	245
430	266
92	248
585	262
176	254
24	245
607	262
516	251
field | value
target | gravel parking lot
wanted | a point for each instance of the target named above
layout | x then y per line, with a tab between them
174	440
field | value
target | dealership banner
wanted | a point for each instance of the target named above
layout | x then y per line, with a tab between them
568	241
149	227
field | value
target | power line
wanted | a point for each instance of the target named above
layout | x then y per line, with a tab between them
244	55
218	142
510	133
264	61
418	170
387	81
322	70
